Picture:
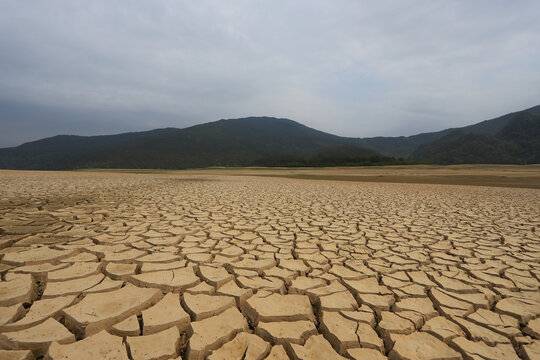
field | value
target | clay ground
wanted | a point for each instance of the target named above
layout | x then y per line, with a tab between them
254	264
517	176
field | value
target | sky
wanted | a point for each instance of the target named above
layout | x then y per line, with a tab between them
352	68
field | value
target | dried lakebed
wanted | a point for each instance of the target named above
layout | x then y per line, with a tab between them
131	266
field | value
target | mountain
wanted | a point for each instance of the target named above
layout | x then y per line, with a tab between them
404	146
340	155
230	142
511	138
517	141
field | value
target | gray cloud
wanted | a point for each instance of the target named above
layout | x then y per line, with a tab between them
347	67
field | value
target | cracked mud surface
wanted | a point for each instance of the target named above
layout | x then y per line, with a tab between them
125	266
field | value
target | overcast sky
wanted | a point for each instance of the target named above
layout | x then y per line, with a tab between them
354	68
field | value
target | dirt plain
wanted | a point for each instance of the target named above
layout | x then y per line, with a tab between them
271	264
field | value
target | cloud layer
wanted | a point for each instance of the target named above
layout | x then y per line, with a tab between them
347	67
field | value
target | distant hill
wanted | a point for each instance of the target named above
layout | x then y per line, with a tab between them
404	146
340	155
515	142
511	138
232	142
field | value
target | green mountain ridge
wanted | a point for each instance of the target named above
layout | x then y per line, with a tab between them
234	142
274	141
517	142
404	146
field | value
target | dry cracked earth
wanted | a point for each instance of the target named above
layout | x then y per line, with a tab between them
124	266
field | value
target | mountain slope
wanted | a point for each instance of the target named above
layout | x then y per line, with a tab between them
263	140
223	142
340	155
517	142
404	146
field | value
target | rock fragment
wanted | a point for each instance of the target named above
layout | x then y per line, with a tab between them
72	287
316	347
522	309
17	290
243	346
75	271
531	351
167	280
202	306
16	355
421	346
9	313
277	307
161	345
216	276
98	346
120	271
211	333
100	311
166	313
37	338
286	332
40	311
442	328
277	353
478	349
533	328
127	327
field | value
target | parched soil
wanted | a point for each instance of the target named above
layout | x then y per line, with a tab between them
219	264
517	176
